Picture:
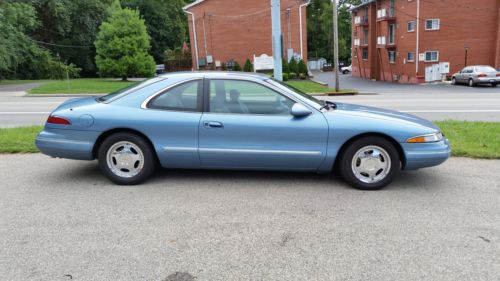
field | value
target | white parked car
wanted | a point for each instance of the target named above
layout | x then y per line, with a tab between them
346	69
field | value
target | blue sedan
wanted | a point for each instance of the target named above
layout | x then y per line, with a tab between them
217	120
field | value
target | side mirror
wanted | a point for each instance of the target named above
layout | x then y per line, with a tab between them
298	110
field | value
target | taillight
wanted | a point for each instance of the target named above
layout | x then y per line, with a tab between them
58	120
498	75
482	75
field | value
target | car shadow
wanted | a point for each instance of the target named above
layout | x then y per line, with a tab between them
89	172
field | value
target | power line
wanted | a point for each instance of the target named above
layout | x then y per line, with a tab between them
59	45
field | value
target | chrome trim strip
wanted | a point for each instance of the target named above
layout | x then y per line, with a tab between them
261	151
180	149
62	141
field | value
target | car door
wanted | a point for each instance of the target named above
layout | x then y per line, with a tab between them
248	125
461	76
173	117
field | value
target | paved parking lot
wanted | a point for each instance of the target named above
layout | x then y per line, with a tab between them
62	220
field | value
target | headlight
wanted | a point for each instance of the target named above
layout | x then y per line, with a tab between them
426	138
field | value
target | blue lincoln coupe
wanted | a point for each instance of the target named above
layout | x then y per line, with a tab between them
218	120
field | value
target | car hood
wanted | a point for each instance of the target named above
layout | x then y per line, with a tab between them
385	115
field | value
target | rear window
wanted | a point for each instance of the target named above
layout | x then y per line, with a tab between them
485	69
127	90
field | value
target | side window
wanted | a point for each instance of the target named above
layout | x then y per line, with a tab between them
243	97
183	97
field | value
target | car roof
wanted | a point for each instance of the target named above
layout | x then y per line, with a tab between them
215	74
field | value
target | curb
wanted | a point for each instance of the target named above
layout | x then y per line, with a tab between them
63	95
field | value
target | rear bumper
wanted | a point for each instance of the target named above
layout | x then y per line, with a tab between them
487	80
71	144
422	155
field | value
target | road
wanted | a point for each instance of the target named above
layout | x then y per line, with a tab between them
434	102
62	219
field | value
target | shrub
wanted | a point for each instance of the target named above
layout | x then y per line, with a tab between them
293	66
223	66
122	45
285	76
302	76
302	67
237	66
285	67
248	67
292	75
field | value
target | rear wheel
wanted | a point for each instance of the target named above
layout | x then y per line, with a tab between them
126	159
494	85
370	163
471	83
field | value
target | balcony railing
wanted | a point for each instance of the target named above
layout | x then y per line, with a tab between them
361	20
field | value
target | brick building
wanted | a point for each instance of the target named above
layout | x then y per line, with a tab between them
225	30
400	40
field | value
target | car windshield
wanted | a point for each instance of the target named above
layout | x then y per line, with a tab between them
320	103
485	69
129	89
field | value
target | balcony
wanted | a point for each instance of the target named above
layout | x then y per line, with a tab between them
386	14
361	20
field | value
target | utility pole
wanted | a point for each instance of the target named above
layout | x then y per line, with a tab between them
276	23
336	45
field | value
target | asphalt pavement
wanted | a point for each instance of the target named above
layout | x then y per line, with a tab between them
62	220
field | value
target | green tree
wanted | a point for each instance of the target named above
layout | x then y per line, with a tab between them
302	67
122	45
248	67
294	68
285	67
166	23
237	66
69	29
320	28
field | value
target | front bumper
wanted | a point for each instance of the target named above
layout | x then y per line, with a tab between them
70	144
423	155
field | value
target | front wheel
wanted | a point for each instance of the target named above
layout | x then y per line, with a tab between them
453	81
370	163
126	159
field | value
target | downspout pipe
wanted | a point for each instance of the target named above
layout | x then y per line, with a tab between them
194	38
300	24
417	59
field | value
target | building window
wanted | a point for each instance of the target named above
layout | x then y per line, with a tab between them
432	24
365	36
432	56
392	33
410	57
392	56
411	26
365	53
392	8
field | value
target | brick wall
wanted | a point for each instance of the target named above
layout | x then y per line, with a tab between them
463	23
238	29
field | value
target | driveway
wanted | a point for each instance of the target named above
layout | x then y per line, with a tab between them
62	220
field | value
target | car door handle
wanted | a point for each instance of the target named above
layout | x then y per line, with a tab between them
213	124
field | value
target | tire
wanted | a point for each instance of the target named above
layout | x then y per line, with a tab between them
378	151
494	85
471	83
345	72
138	161
453	81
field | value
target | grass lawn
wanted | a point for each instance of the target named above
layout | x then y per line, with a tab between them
312	88
19	140
80	86
468	139
473	139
